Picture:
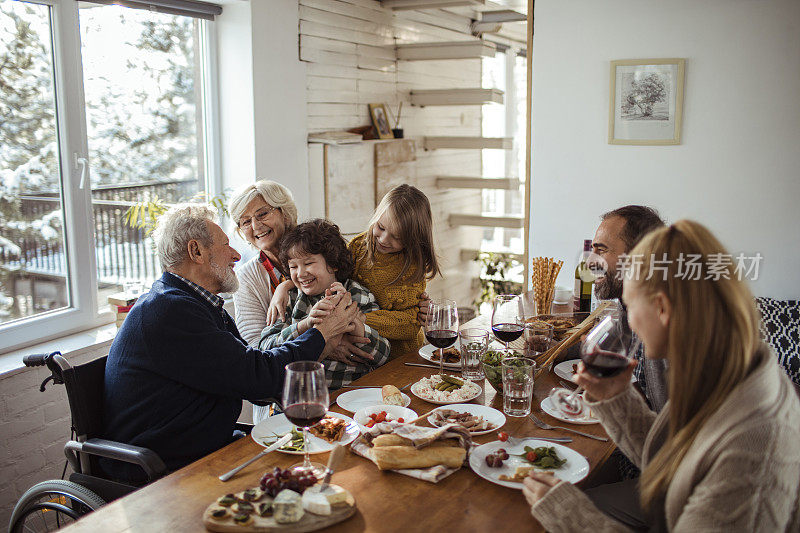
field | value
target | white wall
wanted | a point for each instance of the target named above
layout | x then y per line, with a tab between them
262	97
737	168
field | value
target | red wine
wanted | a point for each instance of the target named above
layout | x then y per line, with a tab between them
441	338
507	332
604	364
305	414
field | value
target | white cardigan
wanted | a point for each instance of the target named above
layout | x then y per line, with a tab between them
252	300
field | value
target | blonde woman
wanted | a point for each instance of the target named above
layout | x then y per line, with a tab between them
723	454
262	212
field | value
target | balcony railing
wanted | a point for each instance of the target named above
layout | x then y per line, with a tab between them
122	253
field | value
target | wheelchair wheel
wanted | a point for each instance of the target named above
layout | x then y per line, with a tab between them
51	505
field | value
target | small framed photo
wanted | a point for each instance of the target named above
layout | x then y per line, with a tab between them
646	101
380	119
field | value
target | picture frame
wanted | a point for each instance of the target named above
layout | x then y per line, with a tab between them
380	119
646	101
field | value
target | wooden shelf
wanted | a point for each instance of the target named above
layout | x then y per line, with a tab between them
464	182
449	50
468	254
499	143
456	97
486	221
399	5
503	15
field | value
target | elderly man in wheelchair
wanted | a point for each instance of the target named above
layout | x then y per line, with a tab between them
171	389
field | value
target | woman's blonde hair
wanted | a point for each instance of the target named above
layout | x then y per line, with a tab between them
271	192
410	220
712	335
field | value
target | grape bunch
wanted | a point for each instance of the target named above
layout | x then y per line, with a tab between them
495	460
277	479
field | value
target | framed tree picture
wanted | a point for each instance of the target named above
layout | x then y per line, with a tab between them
380	119
646	101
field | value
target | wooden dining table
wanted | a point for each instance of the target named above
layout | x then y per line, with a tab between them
385	500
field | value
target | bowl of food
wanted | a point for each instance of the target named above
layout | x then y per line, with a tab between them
561	323
369	416
492	368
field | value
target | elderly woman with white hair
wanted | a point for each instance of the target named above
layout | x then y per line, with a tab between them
263	212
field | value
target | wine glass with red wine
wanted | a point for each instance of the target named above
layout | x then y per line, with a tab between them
441	328
305	402
507	324
605	353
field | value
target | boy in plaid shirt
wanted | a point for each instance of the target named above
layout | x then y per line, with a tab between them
319	263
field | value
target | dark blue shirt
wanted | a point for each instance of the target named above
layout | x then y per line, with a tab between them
177	373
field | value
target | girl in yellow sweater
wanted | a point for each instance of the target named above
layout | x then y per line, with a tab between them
394	259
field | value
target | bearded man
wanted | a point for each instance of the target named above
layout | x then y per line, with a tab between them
178	368
618	233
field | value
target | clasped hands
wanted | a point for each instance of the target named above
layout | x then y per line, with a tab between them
342	346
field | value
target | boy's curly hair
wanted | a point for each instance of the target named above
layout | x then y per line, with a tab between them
319	236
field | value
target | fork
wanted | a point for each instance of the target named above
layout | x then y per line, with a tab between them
516	441
543	425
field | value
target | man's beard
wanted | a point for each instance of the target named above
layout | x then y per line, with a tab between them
227	278
611	287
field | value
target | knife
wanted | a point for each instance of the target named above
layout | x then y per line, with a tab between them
272	447
423	365
333	461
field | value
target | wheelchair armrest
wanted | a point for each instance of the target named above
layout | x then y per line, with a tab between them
145	458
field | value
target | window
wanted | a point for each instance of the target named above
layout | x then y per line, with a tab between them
76	152
505	71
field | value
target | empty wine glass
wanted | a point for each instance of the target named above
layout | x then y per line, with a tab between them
605	353
305	402
441	327
507	324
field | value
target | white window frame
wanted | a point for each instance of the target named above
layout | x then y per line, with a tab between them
84	312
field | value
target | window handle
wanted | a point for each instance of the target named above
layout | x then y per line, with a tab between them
83	163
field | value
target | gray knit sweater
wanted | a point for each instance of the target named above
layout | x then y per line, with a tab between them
741	473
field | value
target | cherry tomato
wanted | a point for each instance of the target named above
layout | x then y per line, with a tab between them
401	420
531	456
503	436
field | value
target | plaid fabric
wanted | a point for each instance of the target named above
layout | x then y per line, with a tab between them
336	373
638	372
275	277
212	298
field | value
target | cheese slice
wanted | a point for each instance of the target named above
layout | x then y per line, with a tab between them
288	507
320	502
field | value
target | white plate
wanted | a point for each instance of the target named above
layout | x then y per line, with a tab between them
564	370
426	352
548	408
491	415
415	390
392	411
356	399
279	425
575	469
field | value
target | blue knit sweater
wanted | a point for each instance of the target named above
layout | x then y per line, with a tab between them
177	373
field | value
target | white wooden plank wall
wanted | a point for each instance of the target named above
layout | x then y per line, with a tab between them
348	46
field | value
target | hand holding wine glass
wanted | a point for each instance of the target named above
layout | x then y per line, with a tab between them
441	327
604	354
305	402
507	324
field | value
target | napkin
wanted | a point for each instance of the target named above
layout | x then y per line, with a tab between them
420	437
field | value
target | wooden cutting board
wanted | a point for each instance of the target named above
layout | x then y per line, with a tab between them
309	521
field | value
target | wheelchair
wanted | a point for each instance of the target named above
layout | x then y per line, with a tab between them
50	505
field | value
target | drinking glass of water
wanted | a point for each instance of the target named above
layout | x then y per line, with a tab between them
517	375
474	342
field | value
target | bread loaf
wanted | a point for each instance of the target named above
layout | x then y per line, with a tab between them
392	395
390	439
399	457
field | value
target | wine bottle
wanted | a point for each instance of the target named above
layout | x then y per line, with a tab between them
584	279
